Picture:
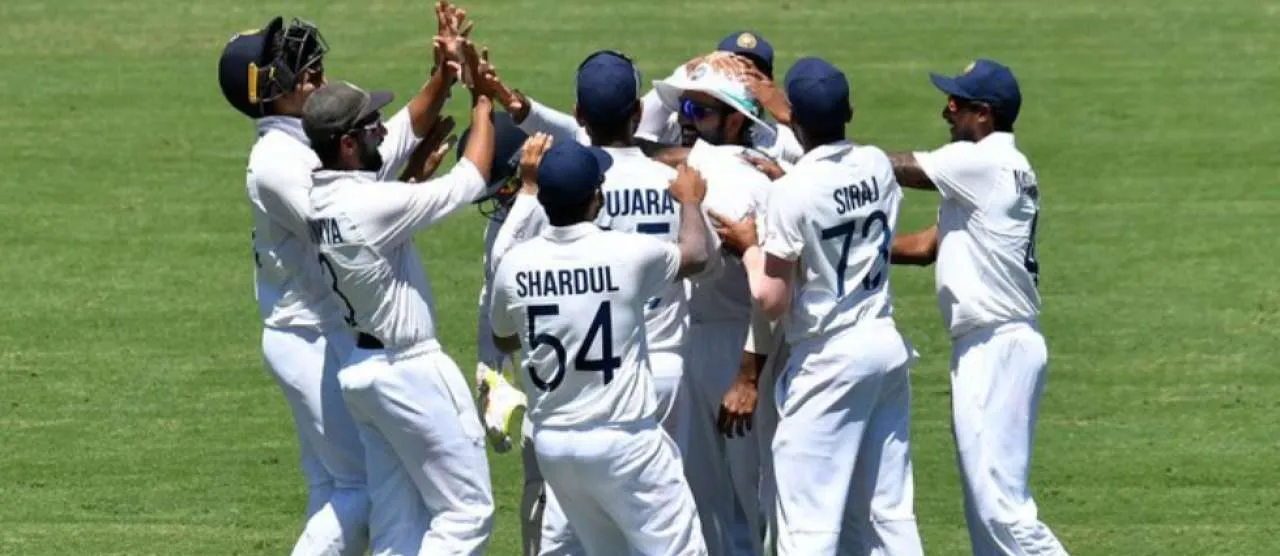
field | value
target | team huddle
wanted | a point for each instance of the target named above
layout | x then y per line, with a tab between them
691	284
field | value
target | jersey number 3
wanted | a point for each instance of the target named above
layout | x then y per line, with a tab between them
601	329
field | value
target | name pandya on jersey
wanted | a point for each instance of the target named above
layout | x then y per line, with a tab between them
575	281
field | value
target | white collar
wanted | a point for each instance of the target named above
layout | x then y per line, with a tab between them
565	234
830	149
1002	138
327	177
288	125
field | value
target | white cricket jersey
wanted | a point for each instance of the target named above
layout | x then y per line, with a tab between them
637	200
735	189
576	296
987	270
364	229
288	284
662	125
835	213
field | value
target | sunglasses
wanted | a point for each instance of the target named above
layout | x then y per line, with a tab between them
695	110
370	124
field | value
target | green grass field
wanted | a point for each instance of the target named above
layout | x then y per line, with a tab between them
136	418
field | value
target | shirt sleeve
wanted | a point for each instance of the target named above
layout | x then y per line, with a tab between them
501	318
760	335
524	220
784	220
283	188
397	209
659	264
958	171
398	145
655	117
557	124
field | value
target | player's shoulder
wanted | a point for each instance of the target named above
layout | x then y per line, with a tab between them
619	243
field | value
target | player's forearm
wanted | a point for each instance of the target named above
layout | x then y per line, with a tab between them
768	292
918	249
694	240
908	171
425	106
480	143
751	367
540	118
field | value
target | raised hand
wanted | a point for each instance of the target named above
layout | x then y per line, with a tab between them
452	28
766	91
430	152
688	187
530	157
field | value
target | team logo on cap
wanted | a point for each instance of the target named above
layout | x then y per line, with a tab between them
700	71
747	40
969	67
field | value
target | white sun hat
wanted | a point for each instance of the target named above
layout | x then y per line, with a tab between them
708	79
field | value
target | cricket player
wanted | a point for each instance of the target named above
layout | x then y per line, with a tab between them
500	403
267	75
575	299
636	200
424	445
663	127
843	398
722	112
985	247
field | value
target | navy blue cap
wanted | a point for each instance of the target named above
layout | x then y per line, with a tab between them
751	45
608	86
238	67
987	81
819	95
508	138
571	173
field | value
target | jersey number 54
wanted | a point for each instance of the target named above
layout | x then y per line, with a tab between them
601	329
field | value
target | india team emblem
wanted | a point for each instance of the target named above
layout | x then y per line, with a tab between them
969	67
747	40
700	71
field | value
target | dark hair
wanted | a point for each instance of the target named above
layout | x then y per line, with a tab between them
1001	122
603	133
823	135
329	152
568	214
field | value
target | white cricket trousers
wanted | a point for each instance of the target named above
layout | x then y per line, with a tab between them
997	377
842	456
621	488
555	536
724	473
428	475
305	364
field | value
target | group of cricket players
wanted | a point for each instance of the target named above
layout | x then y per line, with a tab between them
690	281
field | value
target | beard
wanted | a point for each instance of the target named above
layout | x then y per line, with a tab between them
370	158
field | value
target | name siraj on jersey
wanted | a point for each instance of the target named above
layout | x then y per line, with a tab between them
574	281
852	197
